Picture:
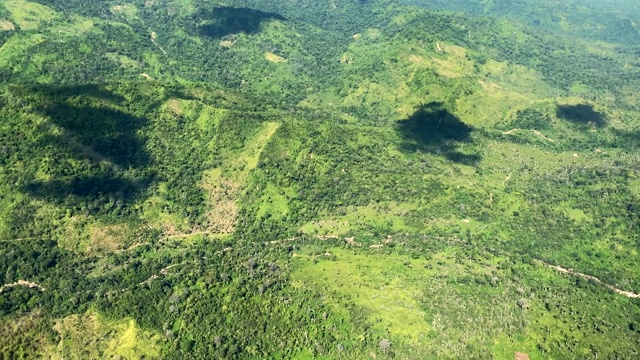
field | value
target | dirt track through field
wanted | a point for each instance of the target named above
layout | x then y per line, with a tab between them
595	279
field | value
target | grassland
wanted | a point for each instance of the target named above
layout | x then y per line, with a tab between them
449	301
29	15
90	335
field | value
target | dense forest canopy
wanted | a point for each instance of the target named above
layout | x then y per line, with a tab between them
409	179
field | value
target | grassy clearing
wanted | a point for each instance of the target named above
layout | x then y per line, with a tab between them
29	15
443	303
77	26
274	58
124	61
274	202
453	64
155	214
129	11
15	47
251	154
107	238
573	213
382	285
90	335
225	186
387	215
432	305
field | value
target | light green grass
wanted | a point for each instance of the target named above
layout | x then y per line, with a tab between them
78	26
435	305
251	153
15	47
388	215
573	213
124	61
91	335
29	15
393	290
382	285
274	202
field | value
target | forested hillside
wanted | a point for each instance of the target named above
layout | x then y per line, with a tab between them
613	21
319	179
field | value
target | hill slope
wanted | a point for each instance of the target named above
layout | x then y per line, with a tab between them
315	179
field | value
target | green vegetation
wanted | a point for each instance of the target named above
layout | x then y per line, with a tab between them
324	179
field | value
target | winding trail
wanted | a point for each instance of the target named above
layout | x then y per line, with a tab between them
593	278
534	131
188	235
153	40
19	239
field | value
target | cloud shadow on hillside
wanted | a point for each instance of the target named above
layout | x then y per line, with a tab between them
99	145
99	133
626	139
582	114
433	129
222	21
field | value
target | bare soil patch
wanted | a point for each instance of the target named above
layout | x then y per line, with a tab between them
227	43
106	238
174	106
28	284
154	36
6	25
223	211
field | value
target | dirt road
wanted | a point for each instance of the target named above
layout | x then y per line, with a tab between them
593	278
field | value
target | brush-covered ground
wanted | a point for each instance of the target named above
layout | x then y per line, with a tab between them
326	179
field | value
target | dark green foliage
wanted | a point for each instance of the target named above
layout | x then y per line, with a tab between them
581	114
221	21
532	119
434	129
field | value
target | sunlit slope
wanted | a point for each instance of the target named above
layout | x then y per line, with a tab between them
288	58
197	179
100	156
447	303
612	20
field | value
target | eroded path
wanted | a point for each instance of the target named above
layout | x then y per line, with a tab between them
593	278
28	284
